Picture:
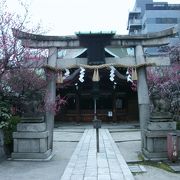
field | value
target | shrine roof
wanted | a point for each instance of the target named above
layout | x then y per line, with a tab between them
74	53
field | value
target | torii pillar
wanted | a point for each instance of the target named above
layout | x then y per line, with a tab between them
51	94
142	90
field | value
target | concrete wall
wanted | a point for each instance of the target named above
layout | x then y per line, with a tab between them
142	4
150	16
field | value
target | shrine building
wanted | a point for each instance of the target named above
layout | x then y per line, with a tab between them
117	100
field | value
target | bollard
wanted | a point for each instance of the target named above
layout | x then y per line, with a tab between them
172	147
97	125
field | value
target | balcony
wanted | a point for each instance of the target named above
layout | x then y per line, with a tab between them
134	19
134	24
135	11
134	32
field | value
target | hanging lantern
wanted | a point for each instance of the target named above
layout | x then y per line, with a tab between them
134	74
96	77
59	78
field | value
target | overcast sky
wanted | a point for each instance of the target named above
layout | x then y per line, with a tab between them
65	17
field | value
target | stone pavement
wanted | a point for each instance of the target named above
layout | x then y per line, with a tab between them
128	142
44	170
86	164
66	138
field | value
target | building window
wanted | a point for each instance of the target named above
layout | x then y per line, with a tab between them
166	20
150	21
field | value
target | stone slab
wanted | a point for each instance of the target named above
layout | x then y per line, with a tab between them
31	127
32	145
161	133
123	137
30	135
155	155
137	168
65	136
156	126
130	150
32	156
175	166
34	119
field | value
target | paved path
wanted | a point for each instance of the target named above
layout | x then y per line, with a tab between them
86	164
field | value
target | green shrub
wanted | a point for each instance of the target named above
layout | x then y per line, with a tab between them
4	110
9	128
178	125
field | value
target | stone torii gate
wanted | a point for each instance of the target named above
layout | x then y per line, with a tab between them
139	61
